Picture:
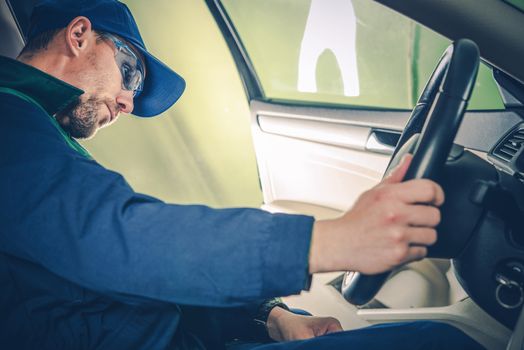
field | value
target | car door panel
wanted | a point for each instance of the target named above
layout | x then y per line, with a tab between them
317	159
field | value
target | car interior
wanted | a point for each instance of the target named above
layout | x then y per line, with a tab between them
316	156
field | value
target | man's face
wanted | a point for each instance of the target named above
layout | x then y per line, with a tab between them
98	74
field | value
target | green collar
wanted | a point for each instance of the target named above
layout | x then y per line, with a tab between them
41	89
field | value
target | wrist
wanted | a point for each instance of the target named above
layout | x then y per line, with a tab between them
275	315
274	321
266	320
329	250
316	249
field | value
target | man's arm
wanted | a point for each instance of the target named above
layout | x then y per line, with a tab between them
259	322
84	223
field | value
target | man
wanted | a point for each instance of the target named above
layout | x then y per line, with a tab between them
85	262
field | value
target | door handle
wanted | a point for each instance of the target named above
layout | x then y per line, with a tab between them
381	141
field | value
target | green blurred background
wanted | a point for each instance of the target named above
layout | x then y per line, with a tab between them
395	56
200	150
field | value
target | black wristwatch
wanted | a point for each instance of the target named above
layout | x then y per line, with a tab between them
263	314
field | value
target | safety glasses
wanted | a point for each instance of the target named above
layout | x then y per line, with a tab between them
130	65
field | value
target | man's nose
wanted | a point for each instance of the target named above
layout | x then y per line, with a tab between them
125	101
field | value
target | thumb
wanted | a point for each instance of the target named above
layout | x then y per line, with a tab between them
334	327
397	174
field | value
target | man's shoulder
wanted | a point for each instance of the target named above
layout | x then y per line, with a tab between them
27	131
15	108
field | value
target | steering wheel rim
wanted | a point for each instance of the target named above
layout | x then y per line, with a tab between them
438	114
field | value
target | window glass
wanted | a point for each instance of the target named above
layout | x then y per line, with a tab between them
350	52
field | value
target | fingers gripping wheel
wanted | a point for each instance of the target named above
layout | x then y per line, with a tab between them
443	103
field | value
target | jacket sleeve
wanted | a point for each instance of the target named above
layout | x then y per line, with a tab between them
84	223
217	326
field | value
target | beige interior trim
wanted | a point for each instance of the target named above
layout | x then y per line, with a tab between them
465	315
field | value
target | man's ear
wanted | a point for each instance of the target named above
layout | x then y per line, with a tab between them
78	34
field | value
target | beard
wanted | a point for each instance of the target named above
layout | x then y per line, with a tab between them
80	118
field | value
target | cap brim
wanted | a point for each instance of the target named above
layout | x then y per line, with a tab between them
162	87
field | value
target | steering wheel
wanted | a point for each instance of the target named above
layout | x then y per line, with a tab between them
437	115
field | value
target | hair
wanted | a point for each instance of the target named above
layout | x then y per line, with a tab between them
39	42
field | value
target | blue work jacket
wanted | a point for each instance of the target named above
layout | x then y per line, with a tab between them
86	262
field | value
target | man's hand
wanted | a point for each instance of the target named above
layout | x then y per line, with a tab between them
284	325
389	225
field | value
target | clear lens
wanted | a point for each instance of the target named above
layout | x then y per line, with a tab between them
129	64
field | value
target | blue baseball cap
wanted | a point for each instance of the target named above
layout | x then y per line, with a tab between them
162	86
